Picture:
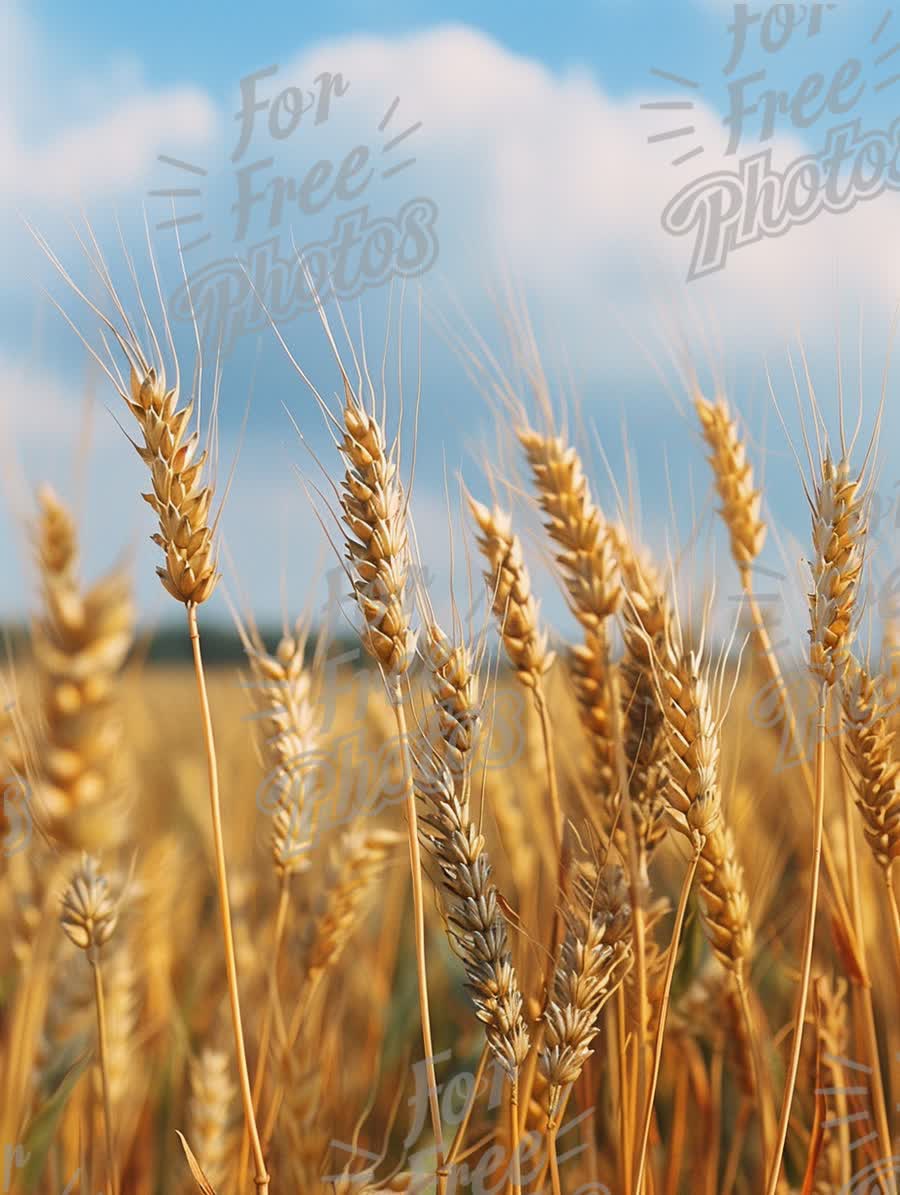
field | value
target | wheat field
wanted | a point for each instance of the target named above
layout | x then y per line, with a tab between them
495	907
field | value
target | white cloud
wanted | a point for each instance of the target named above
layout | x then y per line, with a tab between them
557	179
105	144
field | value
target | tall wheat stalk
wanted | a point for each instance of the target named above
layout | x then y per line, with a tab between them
182	502
89	918
375	515
838	506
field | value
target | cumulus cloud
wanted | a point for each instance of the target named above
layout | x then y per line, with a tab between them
556	178
107	147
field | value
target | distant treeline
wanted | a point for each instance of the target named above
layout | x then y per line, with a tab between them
169	644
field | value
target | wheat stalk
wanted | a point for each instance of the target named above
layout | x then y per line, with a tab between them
89	917
691	700
595	957
838	509
740	511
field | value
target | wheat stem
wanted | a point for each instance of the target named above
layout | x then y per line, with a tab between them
636	898
463	1127
644	1136
514	1136
808	939
777	677
262	1176
266	1028
415	865
540	701
760	1075
104	1073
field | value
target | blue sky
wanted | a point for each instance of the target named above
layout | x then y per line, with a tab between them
533	148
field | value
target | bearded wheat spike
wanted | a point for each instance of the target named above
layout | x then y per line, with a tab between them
289	727
591	576
374	509
355	865
179	498
870	743
595	958
692	731
211	1115
89	914
512	601
80	643
475	925
575	524
455	698
838	533
646	622
734	480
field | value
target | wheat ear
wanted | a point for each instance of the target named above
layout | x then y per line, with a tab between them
80	642
517	612
475	925
590	573
733	475
870	743
211	1108
646	621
